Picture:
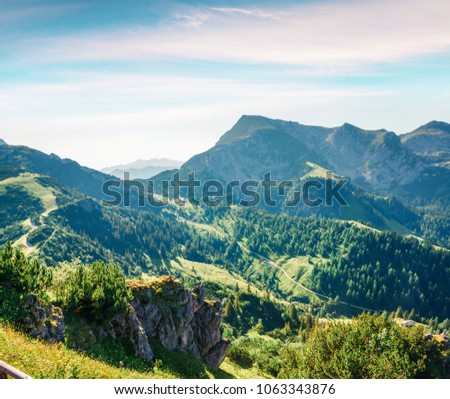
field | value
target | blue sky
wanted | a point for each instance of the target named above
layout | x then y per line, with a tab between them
107	82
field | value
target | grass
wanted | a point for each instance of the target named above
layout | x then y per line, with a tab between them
240	371
318	171
212	273
43	360
299	269
29	183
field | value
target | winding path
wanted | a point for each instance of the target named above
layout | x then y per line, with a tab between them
272	263
23	241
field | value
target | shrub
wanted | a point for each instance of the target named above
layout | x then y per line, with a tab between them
368	347
19	277
97	291
23	275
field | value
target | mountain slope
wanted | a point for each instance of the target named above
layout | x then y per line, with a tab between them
250	157
375	161
65	171
430	141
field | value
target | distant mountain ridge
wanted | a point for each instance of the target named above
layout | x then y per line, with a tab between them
143	169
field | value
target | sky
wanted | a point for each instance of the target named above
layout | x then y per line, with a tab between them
109	82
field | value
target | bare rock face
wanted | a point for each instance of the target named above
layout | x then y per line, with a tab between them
127	326
206	328
180	319
45	322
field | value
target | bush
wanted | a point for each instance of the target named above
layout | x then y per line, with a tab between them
240	352
23	275
97	291
368	347
19	277
262	353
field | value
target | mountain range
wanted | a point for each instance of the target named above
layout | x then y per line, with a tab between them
377	160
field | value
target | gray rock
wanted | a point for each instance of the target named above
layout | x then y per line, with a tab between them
44	321
181	319
217	354
127	326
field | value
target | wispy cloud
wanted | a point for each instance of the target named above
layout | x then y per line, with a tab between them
199	17
329	35
254	12
195	20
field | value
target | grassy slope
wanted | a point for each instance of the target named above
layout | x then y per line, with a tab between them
31	185
43	360
298	268
206	272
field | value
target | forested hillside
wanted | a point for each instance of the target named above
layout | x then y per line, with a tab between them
378	270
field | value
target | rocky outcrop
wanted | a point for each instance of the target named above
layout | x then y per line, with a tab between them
162	309
180	319
206	328
42	321
129	328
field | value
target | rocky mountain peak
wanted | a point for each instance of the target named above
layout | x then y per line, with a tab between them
245	127
436	125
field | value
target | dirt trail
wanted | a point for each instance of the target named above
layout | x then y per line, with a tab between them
23	241
272	263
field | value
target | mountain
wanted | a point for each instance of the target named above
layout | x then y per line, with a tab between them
430	141
254	146
376	160
391	186
2	142
143	169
